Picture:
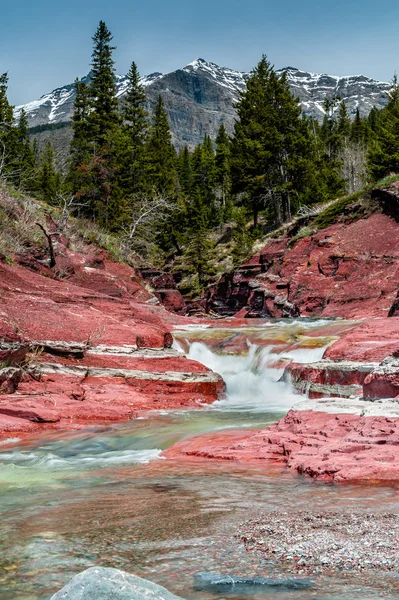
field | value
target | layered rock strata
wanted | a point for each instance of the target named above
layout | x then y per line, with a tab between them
331	440
346	270
89	345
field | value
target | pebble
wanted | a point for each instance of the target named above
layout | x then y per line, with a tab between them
317	542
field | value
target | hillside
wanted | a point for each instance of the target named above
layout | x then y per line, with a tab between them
340	260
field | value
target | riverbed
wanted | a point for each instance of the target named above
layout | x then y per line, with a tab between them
106	496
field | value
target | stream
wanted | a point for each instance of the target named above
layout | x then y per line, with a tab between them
104	495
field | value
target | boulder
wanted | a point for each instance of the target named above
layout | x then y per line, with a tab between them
99	583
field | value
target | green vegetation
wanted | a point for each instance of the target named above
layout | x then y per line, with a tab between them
128	189
330	214
48	127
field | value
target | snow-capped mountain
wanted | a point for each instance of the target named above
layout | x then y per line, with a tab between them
203	95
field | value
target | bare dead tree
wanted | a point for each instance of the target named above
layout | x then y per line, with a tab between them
147	214
353	157
68	204
50	244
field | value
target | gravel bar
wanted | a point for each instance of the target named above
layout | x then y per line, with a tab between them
316	543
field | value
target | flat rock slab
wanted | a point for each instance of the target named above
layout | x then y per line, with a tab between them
99	583
207	581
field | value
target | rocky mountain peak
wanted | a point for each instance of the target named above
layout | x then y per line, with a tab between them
202	95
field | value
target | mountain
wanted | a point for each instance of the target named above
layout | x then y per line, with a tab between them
203	95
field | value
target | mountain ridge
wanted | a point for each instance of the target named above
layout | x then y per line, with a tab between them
202	95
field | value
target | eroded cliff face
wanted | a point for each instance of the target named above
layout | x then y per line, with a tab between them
349	269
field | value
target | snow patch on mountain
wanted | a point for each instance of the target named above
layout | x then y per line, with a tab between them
312	89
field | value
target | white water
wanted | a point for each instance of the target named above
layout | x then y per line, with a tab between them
92	460
252	384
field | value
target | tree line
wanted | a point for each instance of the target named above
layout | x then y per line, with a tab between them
125	173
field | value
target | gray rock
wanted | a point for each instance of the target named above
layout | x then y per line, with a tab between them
207	581
202	95
99	583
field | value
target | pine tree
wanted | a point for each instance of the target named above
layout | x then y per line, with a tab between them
222	163
344	124
49	181
81	144
185	172
136	129
270	141
104	115
241	236
359	129
7	130
373	120
199	250
82	147
96	144
383	156
330	132
161	153
25	159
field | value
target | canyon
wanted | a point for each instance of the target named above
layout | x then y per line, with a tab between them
88	341
137	438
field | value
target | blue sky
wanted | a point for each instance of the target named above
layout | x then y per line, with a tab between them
45	44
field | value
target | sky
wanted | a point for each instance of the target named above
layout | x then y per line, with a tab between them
46	44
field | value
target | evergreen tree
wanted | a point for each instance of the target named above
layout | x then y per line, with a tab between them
104	116
373	120
48	178
161	153
136	128
241	236
96	143
222	163
25	159
199	250
82	148
383	156
359	129
330	131
344	124
272	148
7	131
185	171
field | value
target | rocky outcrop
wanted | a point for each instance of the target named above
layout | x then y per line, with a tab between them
101	582
351	436
164	288
84	342
345	270
331	440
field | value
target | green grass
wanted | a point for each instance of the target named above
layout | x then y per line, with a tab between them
335	210
302	233
387	180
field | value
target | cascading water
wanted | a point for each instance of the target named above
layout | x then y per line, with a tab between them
103	497
251	383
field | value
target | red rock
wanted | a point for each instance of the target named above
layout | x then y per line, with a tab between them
15	425
373	340
346	270
330	447
90	321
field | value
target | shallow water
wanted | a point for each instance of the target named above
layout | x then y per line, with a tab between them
104	496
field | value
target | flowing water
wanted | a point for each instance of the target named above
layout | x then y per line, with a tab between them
105	496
